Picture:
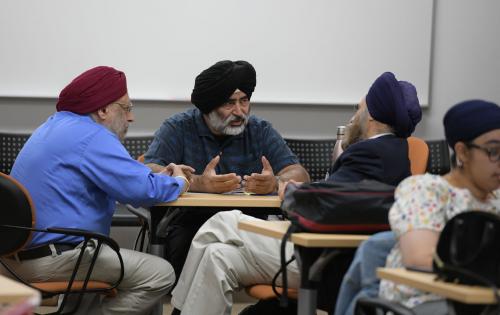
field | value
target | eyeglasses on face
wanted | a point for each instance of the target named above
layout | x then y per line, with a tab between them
492	152
126	107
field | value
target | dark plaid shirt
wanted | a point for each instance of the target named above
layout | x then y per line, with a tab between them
185	139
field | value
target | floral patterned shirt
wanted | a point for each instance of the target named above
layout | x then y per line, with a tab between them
426	202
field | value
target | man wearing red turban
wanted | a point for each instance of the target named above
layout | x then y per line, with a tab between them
76	168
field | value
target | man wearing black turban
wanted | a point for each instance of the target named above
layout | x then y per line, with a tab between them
223	258
228	148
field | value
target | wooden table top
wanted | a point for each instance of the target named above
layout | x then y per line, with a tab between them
277	229
190	199
12	292
426	282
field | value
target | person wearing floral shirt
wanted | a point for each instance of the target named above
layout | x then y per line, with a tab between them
424	203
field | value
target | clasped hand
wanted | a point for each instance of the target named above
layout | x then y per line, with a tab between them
173	169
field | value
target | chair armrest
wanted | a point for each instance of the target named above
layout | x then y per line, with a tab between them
367	306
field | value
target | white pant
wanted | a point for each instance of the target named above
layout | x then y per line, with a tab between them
146	278
223	259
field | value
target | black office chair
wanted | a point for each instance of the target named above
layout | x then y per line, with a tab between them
314	155
10	145
439	162
137	146
17	224
376	306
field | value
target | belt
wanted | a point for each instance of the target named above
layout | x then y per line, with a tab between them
43	251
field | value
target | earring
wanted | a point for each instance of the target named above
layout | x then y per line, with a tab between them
460	164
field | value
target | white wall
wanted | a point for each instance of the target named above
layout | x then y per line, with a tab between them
466	64
65	37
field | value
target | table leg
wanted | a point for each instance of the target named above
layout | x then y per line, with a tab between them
156	246
307	301
308	289
312	262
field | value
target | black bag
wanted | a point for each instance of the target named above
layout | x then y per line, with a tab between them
340	207
334	207
468	251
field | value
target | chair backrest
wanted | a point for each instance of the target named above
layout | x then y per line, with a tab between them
137	146
314	155
18	210
439	157
10	145
418	153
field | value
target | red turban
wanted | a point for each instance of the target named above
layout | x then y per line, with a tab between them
92	90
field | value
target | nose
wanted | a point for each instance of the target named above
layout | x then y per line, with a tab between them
130	117
237	110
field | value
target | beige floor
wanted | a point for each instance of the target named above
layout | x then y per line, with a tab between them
237	307
167	309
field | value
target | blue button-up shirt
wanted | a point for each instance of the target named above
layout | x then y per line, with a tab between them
186	139
75	169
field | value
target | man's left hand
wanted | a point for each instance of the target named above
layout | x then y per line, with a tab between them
263	183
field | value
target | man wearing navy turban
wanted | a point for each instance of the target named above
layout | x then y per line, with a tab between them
376	135
228	148
223	258
76	168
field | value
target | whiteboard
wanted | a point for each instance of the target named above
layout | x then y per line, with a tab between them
307	52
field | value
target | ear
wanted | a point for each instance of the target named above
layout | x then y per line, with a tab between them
461	151
103	113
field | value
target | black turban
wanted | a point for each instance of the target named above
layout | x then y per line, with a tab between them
215	85
394	103
470	119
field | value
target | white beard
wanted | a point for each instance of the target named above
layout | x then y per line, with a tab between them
224	126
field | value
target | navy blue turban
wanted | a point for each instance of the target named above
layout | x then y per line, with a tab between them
394	103
468	120
215	85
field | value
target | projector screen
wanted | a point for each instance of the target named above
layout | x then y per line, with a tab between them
305	52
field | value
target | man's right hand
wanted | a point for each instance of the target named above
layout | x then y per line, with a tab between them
210	182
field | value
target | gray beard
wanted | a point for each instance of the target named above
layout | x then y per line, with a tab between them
223	126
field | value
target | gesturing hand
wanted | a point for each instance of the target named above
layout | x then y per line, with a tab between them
209	181
263	183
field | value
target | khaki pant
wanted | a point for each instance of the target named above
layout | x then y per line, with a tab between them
146	278
223	259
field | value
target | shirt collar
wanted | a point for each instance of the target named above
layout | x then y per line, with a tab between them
381	135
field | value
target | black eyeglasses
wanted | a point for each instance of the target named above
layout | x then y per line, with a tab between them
126	107
493	153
